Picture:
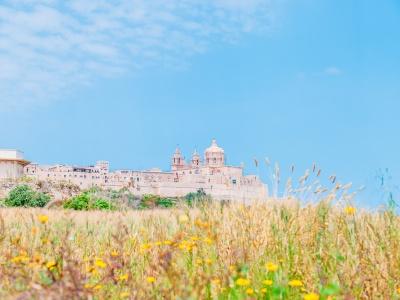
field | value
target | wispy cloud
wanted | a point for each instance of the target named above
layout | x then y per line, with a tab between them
332	71
48	47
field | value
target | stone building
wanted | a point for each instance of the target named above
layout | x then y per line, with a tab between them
211	174
12	164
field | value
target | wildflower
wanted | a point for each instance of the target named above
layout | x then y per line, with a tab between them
34	230
264	290
51	265
145	247
150	279
100	263
311	296
350	210
207	241
20	259
208	261
242	282
158	243
271	267
114	253
249	291
87	286
43	219
167	243
267	282
216	281
124	295
398	290
295	283
183	219
123	277
97	287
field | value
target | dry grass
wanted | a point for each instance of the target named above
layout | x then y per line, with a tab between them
217	252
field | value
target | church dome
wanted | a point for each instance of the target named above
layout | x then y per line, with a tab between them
214	148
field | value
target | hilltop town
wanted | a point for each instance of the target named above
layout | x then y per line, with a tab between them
210	174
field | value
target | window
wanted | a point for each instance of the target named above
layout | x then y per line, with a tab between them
234	181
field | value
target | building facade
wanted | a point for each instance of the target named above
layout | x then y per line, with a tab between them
211	174
12	164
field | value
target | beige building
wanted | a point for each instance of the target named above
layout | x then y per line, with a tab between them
212	175
12	164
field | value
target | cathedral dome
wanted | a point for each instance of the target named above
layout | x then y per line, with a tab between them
214	148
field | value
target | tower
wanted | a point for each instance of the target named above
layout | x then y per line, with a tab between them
195	159
178	161
214	155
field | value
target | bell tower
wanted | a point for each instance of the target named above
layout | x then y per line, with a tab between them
178	161
195	159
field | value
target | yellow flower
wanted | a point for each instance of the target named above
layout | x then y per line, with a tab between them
263	290
34	230
87	286
43	219
150	279
242	282
295	283
123	277
146	246
51	264
20	259
249	291
208	241
100	263
267	282
398	290
183	219
216	281
350	210
311	296
124	295
114	253
208	261
271	267
167	243
97	287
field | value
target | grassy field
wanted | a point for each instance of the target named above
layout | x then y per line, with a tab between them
274	250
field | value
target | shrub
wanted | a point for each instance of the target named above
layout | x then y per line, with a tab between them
87	201
197	198
166	202
153	201
25	196
102	204
149	201
80	202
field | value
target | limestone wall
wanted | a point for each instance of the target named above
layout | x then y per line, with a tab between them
10	169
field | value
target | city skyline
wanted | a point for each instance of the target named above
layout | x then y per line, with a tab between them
298	82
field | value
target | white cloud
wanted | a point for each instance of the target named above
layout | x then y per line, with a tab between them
48	47
333	71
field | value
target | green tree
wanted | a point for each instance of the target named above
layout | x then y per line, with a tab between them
87	201
25	196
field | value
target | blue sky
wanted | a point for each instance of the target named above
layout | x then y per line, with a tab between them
296	81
